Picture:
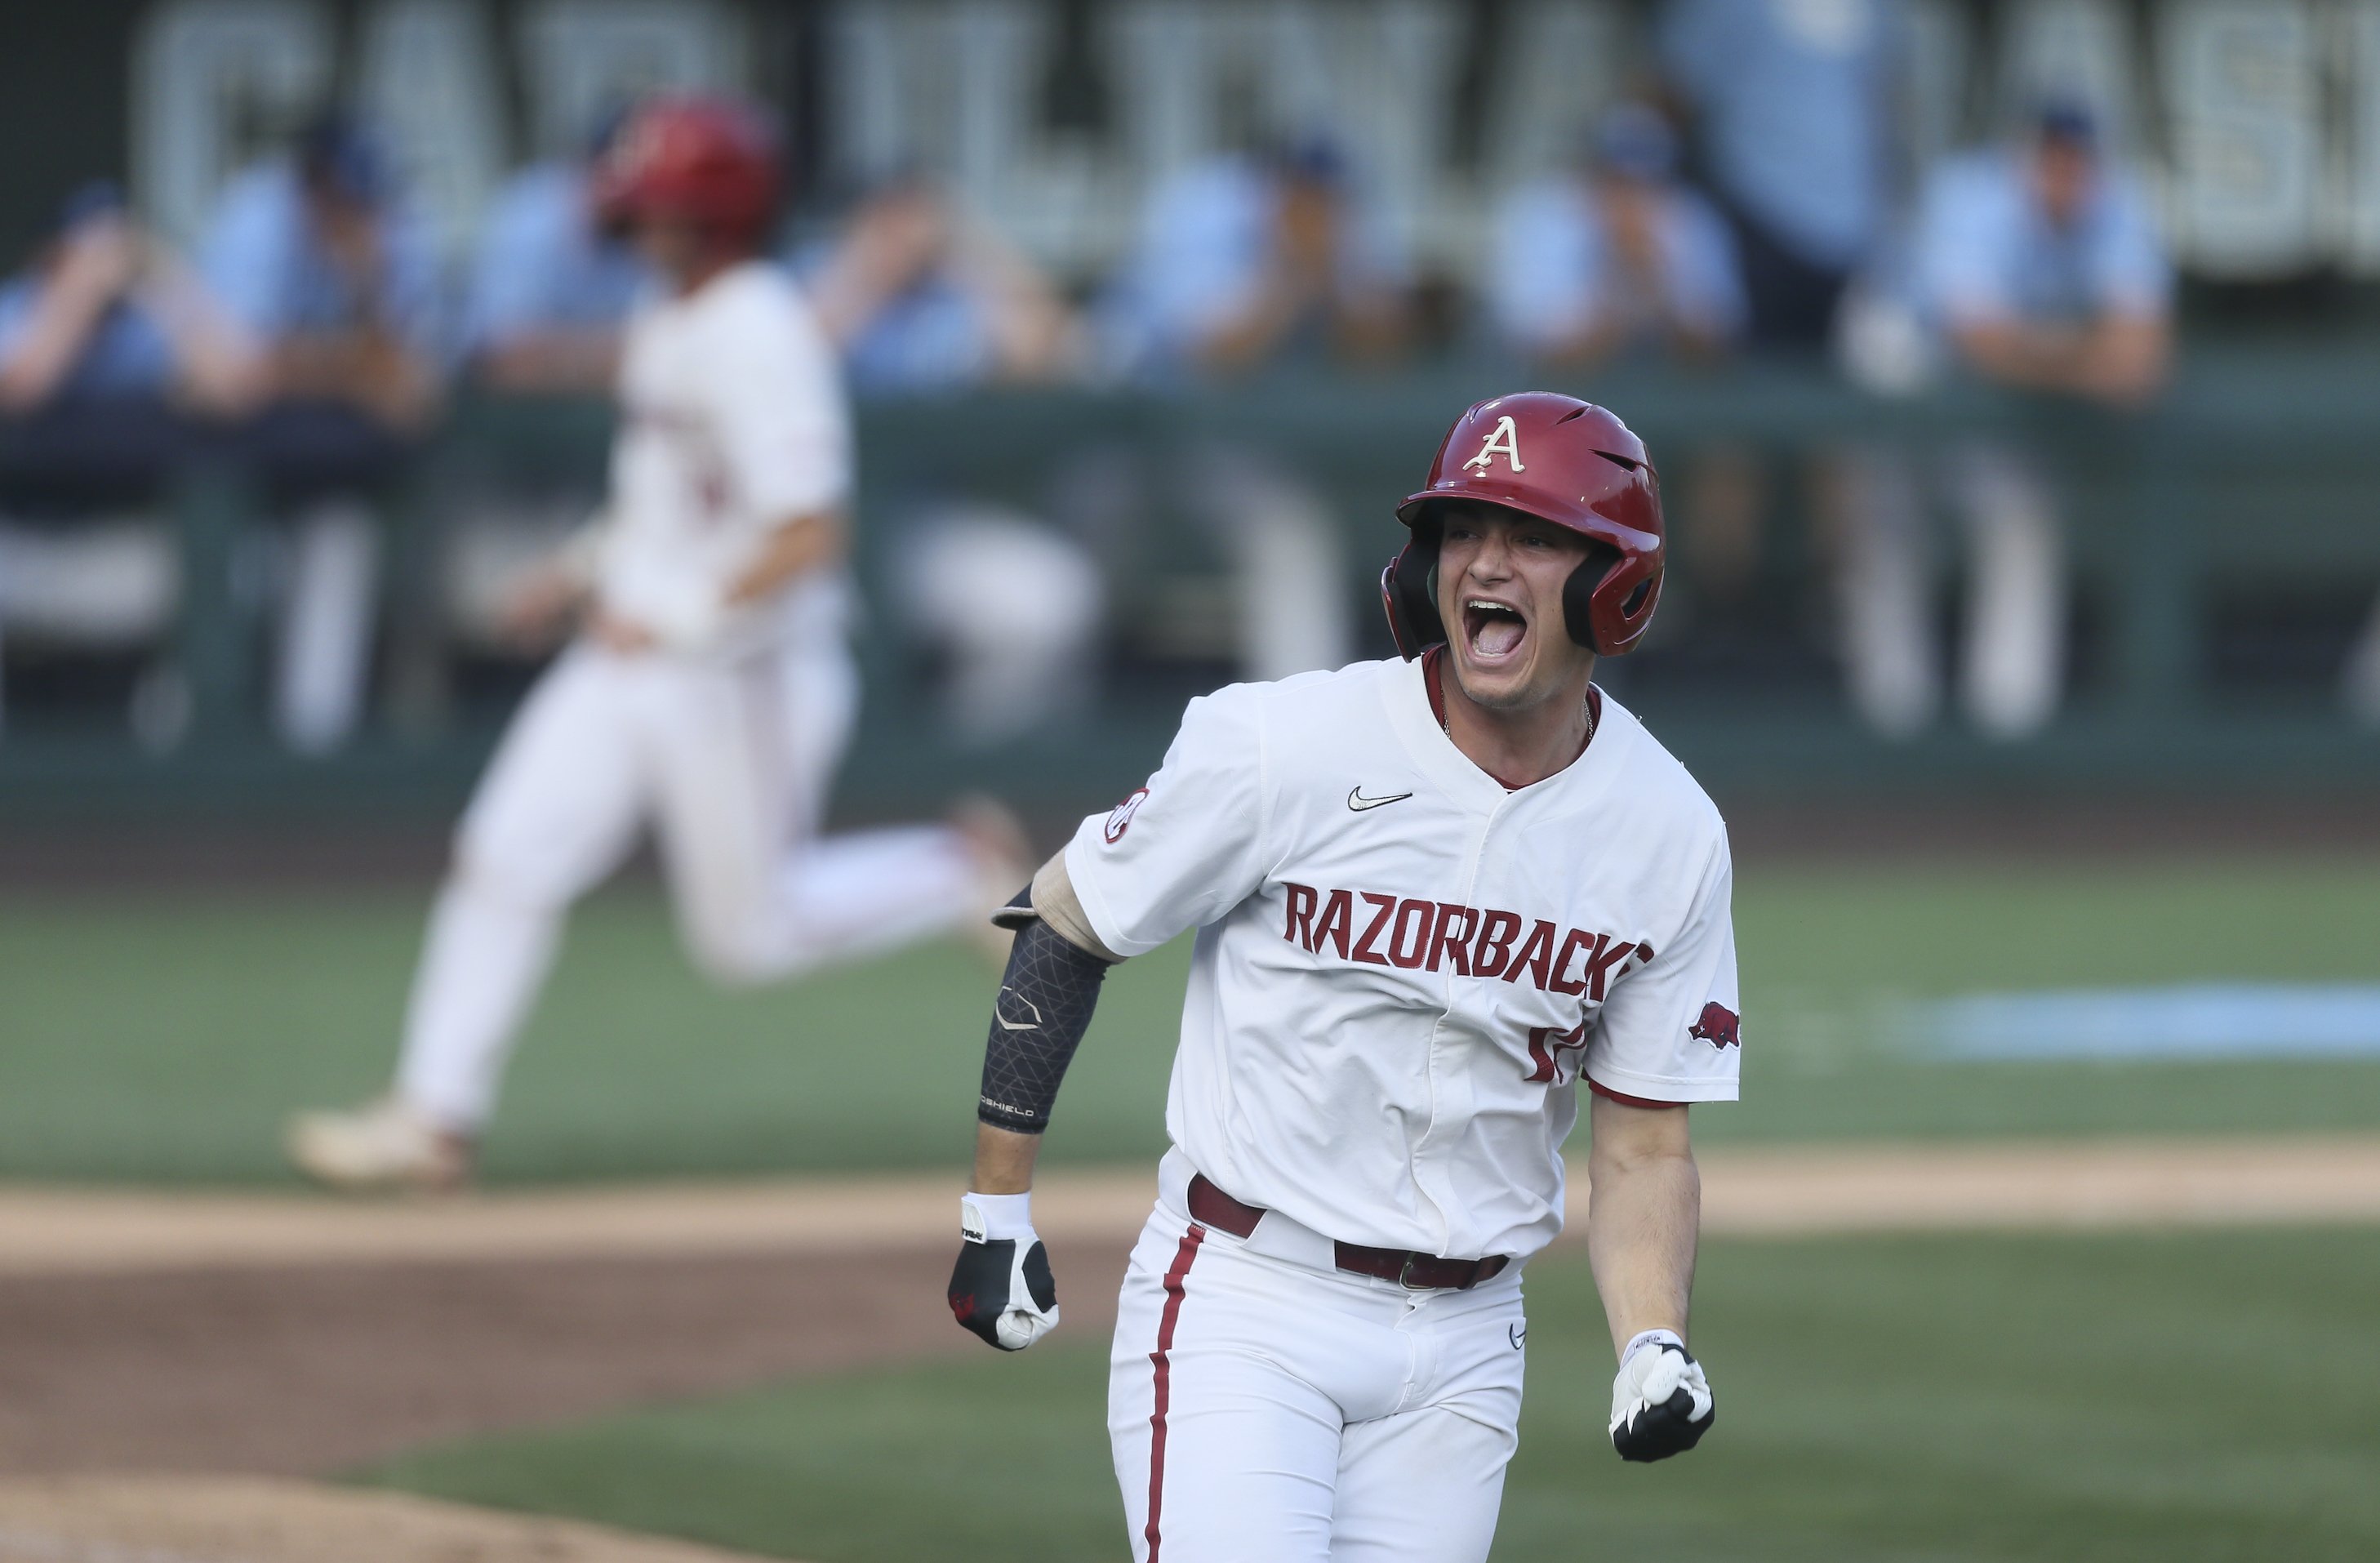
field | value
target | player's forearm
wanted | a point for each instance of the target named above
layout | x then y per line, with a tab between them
557	360
1643	1213
1003	1160
63	317
790	551
1046	999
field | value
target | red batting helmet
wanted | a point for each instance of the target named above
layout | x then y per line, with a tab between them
1562	461
704	161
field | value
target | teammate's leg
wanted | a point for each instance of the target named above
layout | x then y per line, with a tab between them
1426	1483
557	811
743	778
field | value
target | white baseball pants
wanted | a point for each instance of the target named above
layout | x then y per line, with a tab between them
1266	1406
730	763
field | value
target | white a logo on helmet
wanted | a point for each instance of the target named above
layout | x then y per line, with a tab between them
1506	439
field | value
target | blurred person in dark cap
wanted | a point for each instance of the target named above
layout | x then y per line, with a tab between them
2043	265
322	258
922	296
1249	259
1793	104
318	256
551	288
2040	267
1246	261
1615	255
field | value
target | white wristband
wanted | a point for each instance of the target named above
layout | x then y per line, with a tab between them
991	1218
1652	1337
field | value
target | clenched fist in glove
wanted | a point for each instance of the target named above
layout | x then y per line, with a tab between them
1000	1288
1660	1403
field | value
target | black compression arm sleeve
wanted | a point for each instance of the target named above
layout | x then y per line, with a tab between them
1043	1009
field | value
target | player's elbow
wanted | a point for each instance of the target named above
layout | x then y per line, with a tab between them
1630	1141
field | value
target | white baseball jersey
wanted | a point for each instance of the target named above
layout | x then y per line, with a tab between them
733	422
1403	967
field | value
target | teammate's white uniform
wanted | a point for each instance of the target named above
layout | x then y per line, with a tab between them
725	739
1401	970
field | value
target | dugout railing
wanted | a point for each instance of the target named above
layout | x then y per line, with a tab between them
2245	504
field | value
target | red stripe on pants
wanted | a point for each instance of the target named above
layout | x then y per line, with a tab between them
1163	1364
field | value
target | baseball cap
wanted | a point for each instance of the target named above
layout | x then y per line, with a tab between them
1635	141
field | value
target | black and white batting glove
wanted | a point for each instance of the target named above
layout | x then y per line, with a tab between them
1660	1403
1001	1288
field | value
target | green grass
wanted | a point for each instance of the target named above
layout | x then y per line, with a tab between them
2190	1399
164	1036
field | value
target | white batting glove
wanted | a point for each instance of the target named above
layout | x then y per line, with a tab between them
1001	1288
1661	1404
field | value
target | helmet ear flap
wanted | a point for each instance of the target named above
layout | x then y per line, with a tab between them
1409	595
1578	593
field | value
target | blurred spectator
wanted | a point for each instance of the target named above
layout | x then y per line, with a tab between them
1246	259
2042	268
1009	605
920	297
1245	262
550	290
105	340
1615	255
107	316
318	255
548	298
1792	102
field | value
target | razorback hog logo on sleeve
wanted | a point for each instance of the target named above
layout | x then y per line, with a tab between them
1120	817
1371	928
1718	1026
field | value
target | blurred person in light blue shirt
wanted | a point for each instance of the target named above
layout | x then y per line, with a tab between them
1793	103
1615	256
318	256
550	290
2040	265
921	296
106	315
1244	260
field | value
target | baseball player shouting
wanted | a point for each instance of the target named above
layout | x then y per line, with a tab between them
1432	895
711	692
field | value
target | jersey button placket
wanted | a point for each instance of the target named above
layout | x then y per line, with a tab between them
1480	825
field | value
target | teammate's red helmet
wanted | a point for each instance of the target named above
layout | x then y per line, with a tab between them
705	161
1563	461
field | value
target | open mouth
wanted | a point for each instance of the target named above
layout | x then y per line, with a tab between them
1493	630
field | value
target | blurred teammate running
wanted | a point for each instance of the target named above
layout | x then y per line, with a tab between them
710	691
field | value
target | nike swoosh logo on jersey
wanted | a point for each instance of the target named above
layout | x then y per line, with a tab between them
1005	1024
1357	802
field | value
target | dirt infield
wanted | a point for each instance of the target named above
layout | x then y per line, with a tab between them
253	1519
285	1336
